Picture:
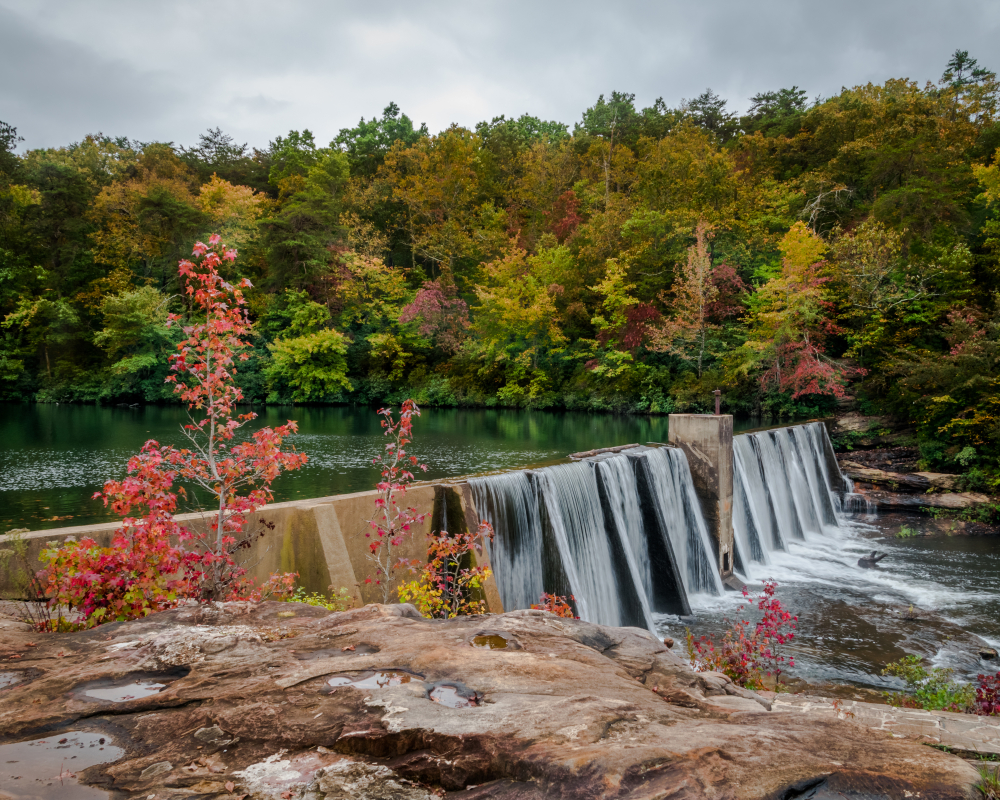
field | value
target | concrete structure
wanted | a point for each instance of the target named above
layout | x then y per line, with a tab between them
707	441
322	539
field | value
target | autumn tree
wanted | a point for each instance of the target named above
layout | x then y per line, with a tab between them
516	327
685	333
788	321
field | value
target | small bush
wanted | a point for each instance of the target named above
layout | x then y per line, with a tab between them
335	601
933	689
749	652
556	604
906	532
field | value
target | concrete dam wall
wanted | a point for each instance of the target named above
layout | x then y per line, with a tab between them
322	539
627	532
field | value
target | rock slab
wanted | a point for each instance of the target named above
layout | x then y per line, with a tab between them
322	706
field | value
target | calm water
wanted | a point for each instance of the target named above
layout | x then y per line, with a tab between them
54	457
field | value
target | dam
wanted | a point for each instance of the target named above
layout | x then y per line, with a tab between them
625	532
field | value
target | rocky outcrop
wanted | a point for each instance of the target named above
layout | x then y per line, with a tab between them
892	501
900	481
287	701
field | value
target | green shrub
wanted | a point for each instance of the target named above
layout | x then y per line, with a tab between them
932	690
336	601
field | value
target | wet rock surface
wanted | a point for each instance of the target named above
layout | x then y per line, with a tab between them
574	710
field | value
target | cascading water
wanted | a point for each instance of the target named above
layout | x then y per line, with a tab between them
625	532
681	521
782	487
508	501
625	535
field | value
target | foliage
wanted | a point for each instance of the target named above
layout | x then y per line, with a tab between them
451	581
392	523
987	700
556	604
749	651
685	334
154	560
932	689
848	246
906	532
312	367
340	600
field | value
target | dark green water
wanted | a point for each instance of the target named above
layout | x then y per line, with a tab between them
54	457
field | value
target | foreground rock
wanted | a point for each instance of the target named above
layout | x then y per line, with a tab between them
250	700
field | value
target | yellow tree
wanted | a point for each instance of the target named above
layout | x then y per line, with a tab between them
435	180
233	210
515	325
145	216
788	320
686	330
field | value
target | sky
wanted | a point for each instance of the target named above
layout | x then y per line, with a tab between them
168	70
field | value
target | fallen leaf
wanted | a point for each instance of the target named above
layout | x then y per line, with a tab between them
349	647
286	795
16	655
230	786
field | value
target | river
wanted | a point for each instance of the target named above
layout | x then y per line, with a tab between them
54	457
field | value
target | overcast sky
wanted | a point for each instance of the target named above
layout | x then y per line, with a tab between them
167	70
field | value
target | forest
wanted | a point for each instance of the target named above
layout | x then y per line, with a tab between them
806	254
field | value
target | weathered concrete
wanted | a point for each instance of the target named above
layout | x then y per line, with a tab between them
707	441
281	701
322	539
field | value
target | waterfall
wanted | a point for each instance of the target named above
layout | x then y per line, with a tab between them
623	534
782	489
681	521
573	508
509	503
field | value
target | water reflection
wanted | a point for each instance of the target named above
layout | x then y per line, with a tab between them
54	457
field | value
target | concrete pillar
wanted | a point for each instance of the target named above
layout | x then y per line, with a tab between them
707	441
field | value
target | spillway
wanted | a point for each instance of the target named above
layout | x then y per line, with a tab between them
624	534
782	489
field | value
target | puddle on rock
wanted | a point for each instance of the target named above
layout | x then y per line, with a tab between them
130	687
10	678
46	769
377	680
452	697
125	692
494	641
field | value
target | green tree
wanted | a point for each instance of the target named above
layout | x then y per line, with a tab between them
367	144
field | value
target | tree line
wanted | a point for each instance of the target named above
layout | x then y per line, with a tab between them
794	256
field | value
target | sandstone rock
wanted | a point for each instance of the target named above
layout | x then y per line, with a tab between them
897	480
891	501
567	710
940	480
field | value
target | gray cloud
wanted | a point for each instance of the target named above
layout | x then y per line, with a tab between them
167	71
